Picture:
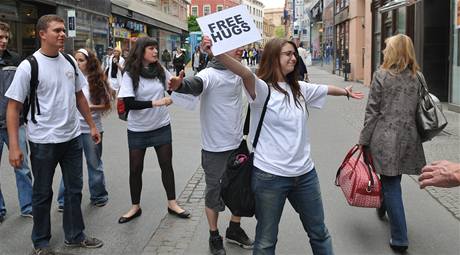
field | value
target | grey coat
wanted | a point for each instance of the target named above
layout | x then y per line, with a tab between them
389	125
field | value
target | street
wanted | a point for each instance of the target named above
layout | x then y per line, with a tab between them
432	217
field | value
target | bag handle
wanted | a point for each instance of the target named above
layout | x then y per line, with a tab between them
422	82
367	158
259	126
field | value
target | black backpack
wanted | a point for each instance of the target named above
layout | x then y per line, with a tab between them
31	101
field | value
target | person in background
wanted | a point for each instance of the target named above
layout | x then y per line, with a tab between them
179	61
54	135
303	71
198	60
166	58
444	174
283	168
115	68
9	61
125	53
106	58
143	92
390	130
98	93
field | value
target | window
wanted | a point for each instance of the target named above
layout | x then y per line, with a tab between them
219	7
206	9
195	11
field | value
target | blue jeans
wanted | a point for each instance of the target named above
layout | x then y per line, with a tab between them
23	176
44	159
392	200
93	153
303	192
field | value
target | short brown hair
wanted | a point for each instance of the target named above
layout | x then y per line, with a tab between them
43	21
4	26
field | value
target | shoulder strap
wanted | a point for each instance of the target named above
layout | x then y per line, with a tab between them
33	100
69	58
422	81
259	126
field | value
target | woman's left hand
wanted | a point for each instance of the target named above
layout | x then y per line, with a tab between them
165	101
355	95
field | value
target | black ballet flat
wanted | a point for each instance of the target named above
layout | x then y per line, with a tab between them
399	248
128	219
185	214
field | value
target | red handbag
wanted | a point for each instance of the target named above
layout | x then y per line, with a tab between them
358	180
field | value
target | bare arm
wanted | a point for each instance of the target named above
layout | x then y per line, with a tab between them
347	91
83	108
234	66
12	121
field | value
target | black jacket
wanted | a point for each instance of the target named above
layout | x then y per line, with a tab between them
8	64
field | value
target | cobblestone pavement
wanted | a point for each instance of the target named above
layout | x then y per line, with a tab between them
174	234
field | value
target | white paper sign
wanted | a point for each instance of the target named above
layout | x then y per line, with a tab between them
229	29
189	102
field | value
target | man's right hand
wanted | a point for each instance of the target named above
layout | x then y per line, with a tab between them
206	44
16	157
175	82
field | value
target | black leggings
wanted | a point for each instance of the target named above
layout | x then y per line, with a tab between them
136	166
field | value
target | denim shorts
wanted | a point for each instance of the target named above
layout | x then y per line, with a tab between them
142	140
214	165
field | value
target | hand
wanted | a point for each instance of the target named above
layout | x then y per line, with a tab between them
165	101
206	44
115	60
355	95
443	174
95	135
175	82
16	157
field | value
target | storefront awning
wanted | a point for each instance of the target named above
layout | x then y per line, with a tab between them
396	4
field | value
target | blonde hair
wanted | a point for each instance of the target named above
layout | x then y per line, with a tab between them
399	55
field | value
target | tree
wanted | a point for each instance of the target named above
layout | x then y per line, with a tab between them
279	32
192	24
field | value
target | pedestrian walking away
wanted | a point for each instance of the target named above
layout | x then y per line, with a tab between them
9	61
283	168
390	131
198	60
166	58
143	91
221	133
53	132
98	93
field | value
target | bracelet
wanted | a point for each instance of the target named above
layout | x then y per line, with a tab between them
348	94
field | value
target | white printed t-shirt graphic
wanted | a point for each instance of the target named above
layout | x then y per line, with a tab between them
229	29
58	121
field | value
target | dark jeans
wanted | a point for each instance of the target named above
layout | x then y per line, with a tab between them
44	159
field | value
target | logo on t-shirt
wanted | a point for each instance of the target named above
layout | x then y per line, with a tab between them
69	75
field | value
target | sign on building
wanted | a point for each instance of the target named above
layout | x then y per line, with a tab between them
71	23
229	29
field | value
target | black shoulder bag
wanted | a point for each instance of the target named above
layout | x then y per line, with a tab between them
236	189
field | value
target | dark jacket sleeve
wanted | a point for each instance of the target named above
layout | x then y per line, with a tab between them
372	114
191	85
132	104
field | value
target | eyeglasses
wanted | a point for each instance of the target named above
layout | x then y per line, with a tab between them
289	54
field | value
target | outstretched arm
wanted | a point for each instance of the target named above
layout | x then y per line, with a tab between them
347	91
234	66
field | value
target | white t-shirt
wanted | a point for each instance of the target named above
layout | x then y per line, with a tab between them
97	115
58	121
220	110
149	89
283	148
115	82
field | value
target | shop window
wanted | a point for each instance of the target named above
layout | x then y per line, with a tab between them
401	21
195	11
206	10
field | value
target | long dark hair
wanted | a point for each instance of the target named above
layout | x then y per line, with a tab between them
99	89
136	56
270	69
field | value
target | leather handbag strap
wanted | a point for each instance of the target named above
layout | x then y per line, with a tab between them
259	126
422	82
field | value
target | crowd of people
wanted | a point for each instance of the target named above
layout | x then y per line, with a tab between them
63	119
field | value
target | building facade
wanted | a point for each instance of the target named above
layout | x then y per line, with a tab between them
90	30
199	8
256	9
269	29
